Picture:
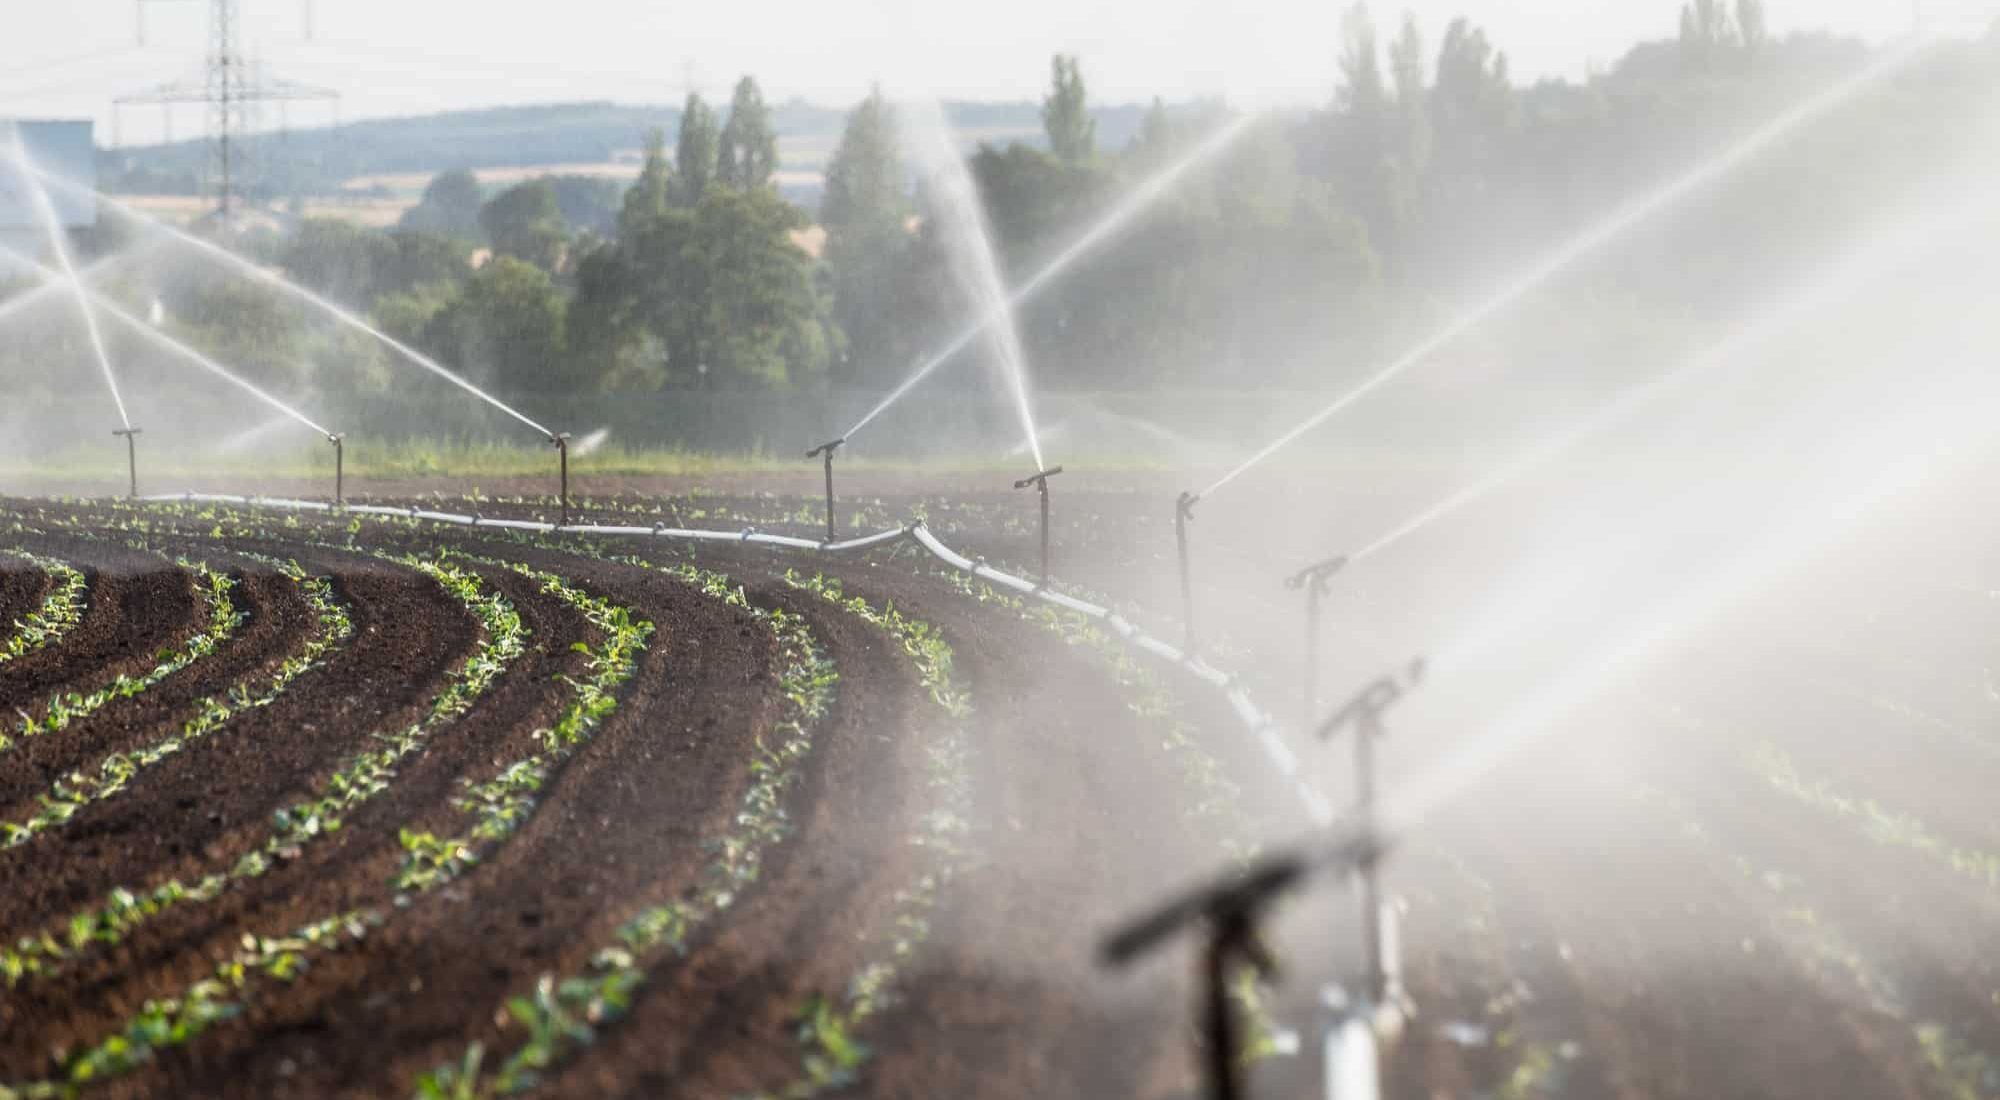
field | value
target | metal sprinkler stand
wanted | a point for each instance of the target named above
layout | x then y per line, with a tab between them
131	455
1183	512
827	449
1041	482
1313	580
561	440
1229	911
337	439
1364	712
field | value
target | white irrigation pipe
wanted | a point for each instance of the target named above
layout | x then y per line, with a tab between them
1261	725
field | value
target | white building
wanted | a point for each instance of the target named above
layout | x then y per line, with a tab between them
62	148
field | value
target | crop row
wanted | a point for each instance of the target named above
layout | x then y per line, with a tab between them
282	959
82	787
366	775
561	1016
830	1051
61	610
498	806
1955	1068
224	617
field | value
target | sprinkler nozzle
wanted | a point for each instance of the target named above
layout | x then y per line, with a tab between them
558	438
826	448
1041	479
1317	574
128	432
1184	507
335	438
1365	710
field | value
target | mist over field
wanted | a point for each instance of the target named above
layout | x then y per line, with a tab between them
746	598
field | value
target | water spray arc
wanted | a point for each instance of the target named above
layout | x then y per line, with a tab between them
1138	202
45	209
160	339
1626	218
827	450
337	312
1313	581
960	210
1041	483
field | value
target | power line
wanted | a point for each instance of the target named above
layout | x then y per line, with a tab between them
232	87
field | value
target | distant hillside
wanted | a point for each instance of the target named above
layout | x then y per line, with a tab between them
320	161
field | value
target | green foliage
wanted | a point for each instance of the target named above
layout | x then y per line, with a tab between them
526	222
1066	114
749	147
696	153
450	206
869	249
505	326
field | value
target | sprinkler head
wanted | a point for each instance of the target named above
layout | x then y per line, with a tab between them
1317	574
127	432
1041	479
1365	710
826	448
1184	506
336	438
559	439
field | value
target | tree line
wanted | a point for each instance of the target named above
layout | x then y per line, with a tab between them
1317	239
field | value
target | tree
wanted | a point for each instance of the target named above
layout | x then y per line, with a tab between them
338	259
505	326
1752	26
726	292
868	248
526	222
587	204
1066	114
417	259
695	154
1707	32
749	154
653	190
450	206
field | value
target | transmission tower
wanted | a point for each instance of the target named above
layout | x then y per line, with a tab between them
231	88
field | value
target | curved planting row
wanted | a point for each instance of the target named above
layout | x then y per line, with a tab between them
298	825
58	711
112	774
744	816
59	612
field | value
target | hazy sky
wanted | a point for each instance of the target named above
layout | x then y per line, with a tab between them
412	56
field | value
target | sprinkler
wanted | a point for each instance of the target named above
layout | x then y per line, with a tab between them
1313	580
827	449
1184	512
336	438
1364	712
131	455
561	440
1041	482
1230	910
